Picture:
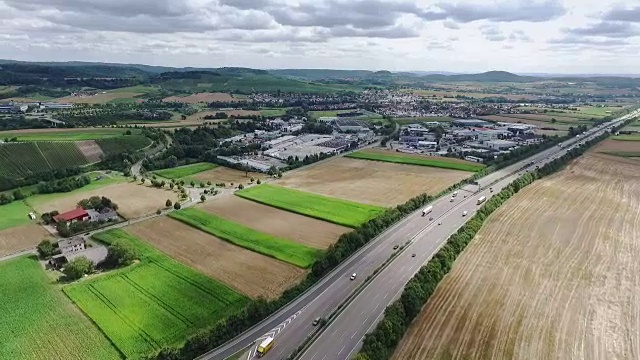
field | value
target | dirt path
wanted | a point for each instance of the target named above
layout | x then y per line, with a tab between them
554	274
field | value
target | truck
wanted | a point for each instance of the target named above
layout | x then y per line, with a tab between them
481	200
265	346
455	193
427	210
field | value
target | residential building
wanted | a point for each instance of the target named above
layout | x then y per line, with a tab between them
104	215
72	245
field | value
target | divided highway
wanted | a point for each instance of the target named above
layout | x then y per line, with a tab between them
343	336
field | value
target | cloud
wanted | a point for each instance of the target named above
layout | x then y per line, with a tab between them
492	33
450	25
623	14
504	11
606	29
572	40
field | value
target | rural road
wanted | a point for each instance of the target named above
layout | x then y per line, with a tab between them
330	291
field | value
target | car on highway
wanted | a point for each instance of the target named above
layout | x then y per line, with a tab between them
353	276
491	189
452	199
316	321
413	255
431	218
396	247
464	213
439	222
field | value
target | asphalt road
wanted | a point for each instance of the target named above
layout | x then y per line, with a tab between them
324	297
343	336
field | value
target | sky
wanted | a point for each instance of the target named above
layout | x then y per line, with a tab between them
522	36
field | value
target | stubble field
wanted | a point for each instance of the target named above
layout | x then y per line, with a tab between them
21	238
227	175
627	149
267	219
371	182
202	97
133	199
553	274
243	270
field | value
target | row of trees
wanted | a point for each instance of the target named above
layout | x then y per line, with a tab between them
46	175
380	344
47	187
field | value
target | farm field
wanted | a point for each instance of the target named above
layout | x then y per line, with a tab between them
273	111
153	303
126	94
119	144
21	159
90	150
243	270
417	120
133	199
412	159
205	97
628	149
227	175
21	237
551	275
371	182
245	237
184	171
337	211
547	118
627	137
269	220
78	134
541	124
62	154
478	95
15	213
38	320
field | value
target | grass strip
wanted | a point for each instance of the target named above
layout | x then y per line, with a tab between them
410	160
184	171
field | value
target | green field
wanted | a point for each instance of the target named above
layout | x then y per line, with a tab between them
398	158
273	111
120	144
21	159
331	113
417	120
39	199
135	89
623	137
337	211
184	171
153	303
71	135
14	214
285	250
62	155
39	322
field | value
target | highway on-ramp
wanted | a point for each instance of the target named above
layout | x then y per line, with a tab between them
293	324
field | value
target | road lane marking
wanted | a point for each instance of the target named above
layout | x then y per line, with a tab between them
341	350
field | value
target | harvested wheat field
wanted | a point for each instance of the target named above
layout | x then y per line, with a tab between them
371	182
227	175
553	274
99	98
21	238
202	97
267	219
244	270
618	146
133	199
91	150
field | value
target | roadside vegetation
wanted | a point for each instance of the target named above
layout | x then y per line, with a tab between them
153	303
439	162
240	235
337	211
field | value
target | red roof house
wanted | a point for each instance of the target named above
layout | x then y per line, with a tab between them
78	214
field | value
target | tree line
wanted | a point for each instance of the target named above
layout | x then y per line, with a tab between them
381	342
47	187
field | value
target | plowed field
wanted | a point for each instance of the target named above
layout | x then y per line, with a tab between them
371	182
21	238
553	274
243	270
302	229
227	176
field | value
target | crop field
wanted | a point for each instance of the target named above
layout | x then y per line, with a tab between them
240	235
123	143
203	97
627	137
371	182
21	237
62	154
153	303
14	214
91	150
228	176
21	159
627	149
414	159
243	270
78	134
553	274
38	321
337	211
547	118
307	231
129	93
273	111
541	124
421	119
184	171
133	199
478	95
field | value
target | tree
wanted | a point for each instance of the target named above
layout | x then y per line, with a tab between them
202	184
78	267
63	229
177	206
252	179
119	254
135	177
203	198
171	185
193	183
153	177
46	248
553	120
209	182
240	186
259	182
18	195
142	180
158	212
183	117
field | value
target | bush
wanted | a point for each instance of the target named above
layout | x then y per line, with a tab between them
46	248
177	206
78	267
258	182
119	254
203	198
158	212
168	203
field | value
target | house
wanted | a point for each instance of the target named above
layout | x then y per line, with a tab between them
105	214
72	245
78	214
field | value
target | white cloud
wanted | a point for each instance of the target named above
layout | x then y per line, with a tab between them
454	35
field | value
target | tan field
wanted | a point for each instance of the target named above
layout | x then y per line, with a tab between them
537	123
21	238
371	182
267	219
91	150
203	97
553	274
611	145
227	176
133	199
244	270
98	98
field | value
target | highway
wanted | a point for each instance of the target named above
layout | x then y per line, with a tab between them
364	311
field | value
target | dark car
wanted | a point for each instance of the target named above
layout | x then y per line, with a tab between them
315	322
396	247
413	255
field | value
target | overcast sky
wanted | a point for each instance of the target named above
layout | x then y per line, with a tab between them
553	36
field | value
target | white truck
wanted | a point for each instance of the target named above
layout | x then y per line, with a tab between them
481	200
455	193
427	210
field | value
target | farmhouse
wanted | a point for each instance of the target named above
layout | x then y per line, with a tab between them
78	214
74	248
105	214
71	245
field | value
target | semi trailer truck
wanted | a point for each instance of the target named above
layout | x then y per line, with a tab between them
265	346
427	210
481	200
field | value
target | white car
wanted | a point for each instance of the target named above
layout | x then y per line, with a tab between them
464	213
353	276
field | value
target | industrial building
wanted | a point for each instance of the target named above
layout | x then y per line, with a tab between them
469	123
500	144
